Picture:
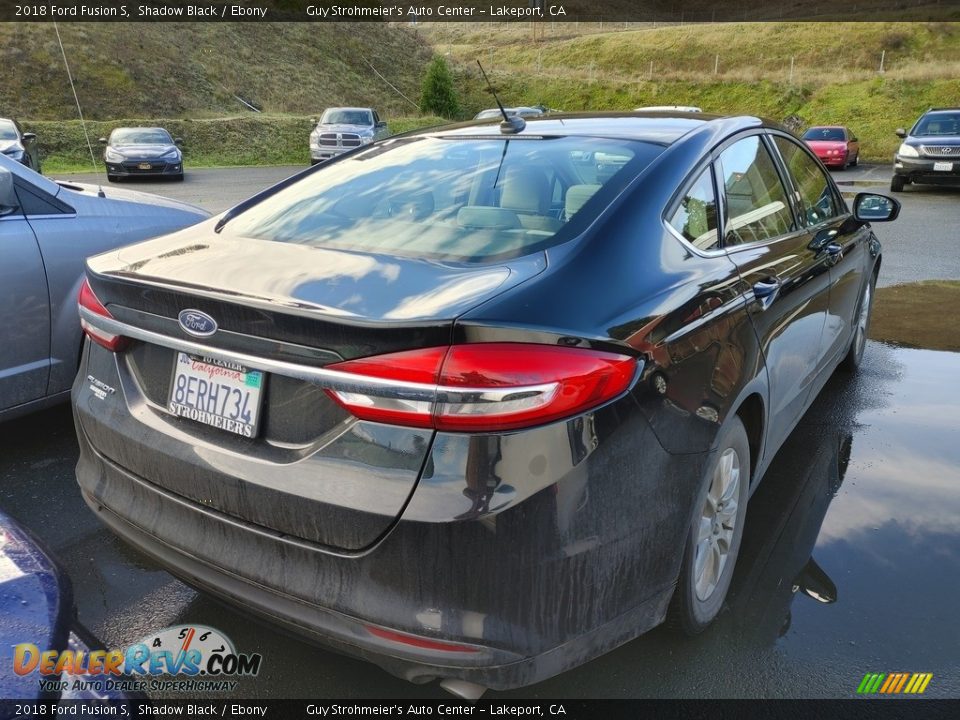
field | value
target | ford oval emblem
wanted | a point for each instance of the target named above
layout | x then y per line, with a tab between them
197	323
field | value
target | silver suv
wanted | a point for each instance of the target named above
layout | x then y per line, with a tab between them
344	128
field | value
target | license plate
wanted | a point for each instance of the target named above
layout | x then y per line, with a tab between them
144	166
221	394
943	166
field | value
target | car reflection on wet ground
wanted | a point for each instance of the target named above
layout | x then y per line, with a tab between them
849	562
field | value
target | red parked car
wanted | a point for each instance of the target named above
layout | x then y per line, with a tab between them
836	146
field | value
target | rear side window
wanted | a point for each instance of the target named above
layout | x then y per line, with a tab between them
462	199
696	216
815	195
756	201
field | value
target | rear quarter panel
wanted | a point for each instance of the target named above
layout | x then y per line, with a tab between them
100	224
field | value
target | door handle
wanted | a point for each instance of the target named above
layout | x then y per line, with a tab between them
765	291
822	240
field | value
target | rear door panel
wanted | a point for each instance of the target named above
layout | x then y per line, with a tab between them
789	281
24	315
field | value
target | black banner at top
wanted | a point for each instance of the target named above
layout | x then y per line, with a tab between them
401	11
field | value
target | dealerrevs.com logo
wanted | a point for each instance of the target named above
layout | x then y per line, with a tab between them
191	657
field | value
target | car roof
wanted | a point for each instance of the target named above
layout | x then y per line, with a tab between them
827	127
139	127
662	128
364	109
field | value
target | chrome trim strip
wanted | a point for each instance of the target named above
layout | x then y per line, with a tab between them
323	377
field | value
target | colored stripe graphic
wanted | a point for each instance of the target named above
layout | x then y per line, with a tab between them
894	683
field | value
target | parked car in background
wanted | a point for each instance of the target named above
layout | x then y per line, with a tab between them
36	604
467	404
47	229
668	108
836	146
19	145
930	152
524	112
142	151
344	128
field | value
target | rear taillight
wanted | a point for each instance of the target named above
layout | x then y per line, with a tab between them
483	387
90	302
418	641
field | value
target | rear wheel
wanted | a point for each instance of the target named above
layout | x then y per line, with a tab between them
897	183
713	540
861	327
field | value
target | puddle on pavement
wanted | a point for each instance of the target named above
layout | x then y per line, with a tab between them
850	555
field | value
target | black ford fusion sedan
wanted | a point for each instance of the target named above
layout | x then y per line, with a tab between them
139	151
482	403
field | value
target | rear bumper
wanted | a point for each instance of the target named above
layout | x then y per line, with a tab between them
536	551
920	170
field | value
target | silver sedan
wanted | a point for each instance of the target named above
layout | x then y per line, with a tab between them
47	230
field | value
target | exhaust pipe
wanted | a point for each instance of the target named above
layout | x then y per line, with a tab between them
471	692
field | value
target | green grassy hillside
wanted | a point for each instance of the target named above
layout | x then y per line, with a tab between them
192	72
195	69
737	68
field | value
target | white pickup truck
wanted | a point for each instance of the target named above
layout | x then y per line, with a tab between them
343	128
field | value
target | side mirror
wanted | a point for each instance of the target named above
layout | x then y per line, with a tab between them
382	124
29	137
178	141
102	141
313	121
8	195
871	207
901	133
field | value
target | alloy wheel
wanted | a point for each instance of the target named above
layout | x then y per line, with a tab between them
717	524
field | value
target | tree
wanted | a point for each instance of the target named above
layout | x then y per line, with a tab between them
438	95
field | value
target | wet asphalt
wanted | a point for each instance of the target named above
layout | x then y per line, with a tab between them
850	560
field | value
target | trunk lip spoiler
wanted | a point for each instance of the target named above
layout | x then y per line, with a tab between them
324	377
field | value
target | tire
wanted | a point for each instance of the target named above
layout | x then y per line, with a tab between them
314	162
699	597
896	183
111	178
856	160
178	178
861	327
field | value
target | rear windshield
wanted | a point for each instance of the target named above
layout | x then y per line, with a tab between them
346	117
140	136
458	199
937	124
824	134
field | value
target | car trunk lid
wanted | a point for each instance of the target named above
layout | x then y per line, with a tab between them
311	471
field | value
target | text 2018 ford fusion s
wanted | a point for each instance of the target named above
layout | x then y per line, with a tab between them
482	403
